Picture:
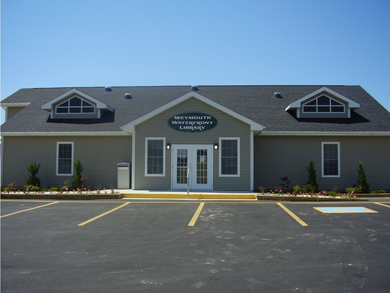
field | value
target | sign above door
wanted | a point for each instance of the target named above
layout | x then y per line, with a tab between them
192	122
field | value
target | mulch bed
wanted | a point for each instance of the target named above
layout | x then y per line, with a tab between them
60	196
301	198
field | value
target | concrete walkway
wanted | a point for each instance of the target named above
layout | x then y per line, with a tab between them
193	194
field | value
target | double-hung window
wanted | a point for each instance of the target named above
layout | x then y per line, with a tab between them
330	159
64	158
229	157
155	157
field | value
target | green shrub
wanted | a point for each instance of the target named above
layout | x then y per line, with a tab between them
332	193
378	191
362	179
33	170
11	187
64	186
297	189
262	189
78	167
53	189
28	188
312	177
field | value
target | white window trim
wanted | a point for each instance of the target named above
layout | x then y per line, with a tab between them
146	156
238	157
330	112
57	157
81	113
338	161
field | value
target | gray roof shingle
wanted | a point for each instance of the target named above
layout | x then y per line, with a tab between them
254	102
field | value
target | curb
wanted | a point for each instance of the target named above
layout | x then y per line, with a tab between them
297	198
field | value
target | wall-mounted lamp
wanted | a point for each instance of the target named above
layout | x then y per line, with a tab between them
215	146
168	146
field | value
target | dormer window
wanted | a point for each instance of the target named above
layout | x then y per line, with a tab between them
323	104
75	105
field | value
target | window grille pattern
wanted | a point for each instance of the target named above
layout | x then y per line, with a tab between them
229	157
75	105
323	104
64	159
155	160
331	160
201	161
182	166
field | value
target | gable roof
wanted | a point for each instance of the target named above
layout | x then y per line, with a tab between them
297	103
255	103
99	104
130	126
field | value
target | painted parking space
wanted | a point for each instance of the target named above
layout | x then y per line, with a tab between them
103	214
344	210
294	216
148	246
190	212
29	209
196	215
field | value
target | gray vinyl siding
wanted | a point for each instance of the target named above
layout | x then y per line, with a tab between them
11	111
280	156
75	116
227	126
99	156
325	115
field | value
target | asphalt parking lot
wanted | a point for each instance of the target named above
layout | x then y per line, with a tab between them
194	246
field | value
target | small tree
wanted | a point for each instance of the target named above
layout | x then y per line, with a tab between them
362	179
312	176
78	168
33	170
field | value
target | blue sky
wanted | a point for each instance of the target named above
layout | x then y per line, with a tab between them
46	43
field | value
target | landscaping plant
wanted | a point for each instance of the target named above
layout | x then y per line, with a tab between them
32	170
312	176
362	179
297	189
78	167
285	183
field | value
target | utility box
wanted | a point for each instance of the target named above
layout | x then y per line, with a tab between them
123	175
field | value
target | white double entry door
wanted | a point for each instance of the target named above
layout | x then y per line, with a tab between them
192	162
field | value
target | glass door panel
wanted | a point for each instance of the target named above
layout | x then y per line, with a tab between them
197	159
181	166
201	164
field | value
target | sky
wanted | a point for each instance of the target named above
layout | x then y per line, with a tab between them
71	43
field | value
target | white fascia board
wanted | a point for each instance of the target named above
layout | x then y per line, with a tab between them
106	133
297	104
327	133
99	105
131	126
15	104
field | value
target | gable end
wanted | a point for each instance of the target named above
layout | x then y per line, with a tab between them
323	103
75	104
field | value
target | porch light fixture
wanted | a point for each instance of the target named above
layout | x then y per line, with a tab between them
215	146
168	146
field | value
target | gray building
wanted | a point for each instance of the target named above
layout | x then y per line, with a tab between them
221	138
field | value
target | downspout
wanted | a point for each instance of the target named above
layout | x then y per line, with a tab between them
132	185
1	159
252	158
